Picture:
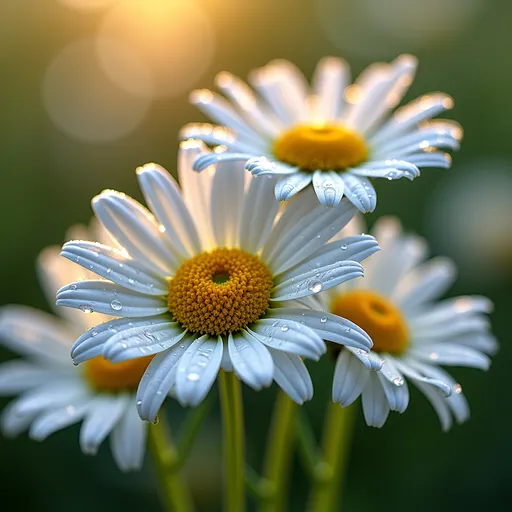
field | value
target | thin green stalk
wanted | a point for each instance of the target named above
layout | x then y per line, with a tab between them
336	444
279	453
174	492
234	450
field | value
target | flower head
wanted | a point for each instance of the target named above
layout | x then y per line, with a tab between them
211	279
333	135
412	333
53	393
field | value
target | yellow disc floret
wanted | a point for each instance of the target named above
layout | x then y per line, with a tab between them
325	147
106	376
220	292
377	316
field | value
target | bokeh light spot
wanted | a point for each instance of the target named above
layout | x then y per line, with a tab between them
174	38
83	102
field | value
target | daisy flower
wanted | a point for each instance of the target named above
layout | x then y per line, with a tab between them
412	332
53	393
333	135
210	279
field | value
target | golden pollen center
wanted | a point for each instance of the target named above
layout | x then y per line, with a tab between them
220	292
377	316
324	147
106	376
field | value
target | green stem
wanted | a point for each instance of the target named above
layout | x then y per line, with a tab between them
279	452
234	452
309	452
174	492
336	443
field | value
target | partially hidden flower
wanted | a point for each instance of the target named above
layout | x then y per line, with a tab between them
333	135
212	279
413	332
53	394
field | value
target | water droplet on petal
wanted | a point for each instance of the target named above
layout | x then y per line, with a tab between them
457	389
139	402
344	247
323	319
73	286
116	305
284	328
315	286
194	377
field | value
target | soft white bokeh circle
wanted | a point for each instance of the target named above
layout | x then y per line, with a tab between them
468	218
175	39
381	29
84	103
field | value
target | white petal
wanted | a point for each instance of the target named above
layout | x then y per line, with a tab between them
91	343
288	336
135	230
158	379
401	255
375	403
350	378
221	111
197	370
111	299
424	283
140	341
371	360
457	401
284	88
196	188
451	354
31	332
251	361
409	369
444	312
206	160
12	422
104	414
292	376
430	159
164	197
264	166
259	211
329	187
294	213
59	392
287	187
114	265
247	102
354	248
303	239
384	94
412	114
315	280
390	169
128	440
17	376
485	343
394	386
227	203
53	419
360	192
330	80
326	325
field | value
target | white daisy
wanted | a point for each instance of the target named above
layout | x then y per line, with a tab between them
203	282
412	332
53	393
332	135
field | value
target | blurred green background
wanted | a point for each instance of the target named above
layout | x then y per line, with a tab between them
79	114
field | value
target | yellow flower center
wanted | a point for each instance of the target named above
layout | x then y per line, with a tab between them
106	376
377	316
325	147
220	292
